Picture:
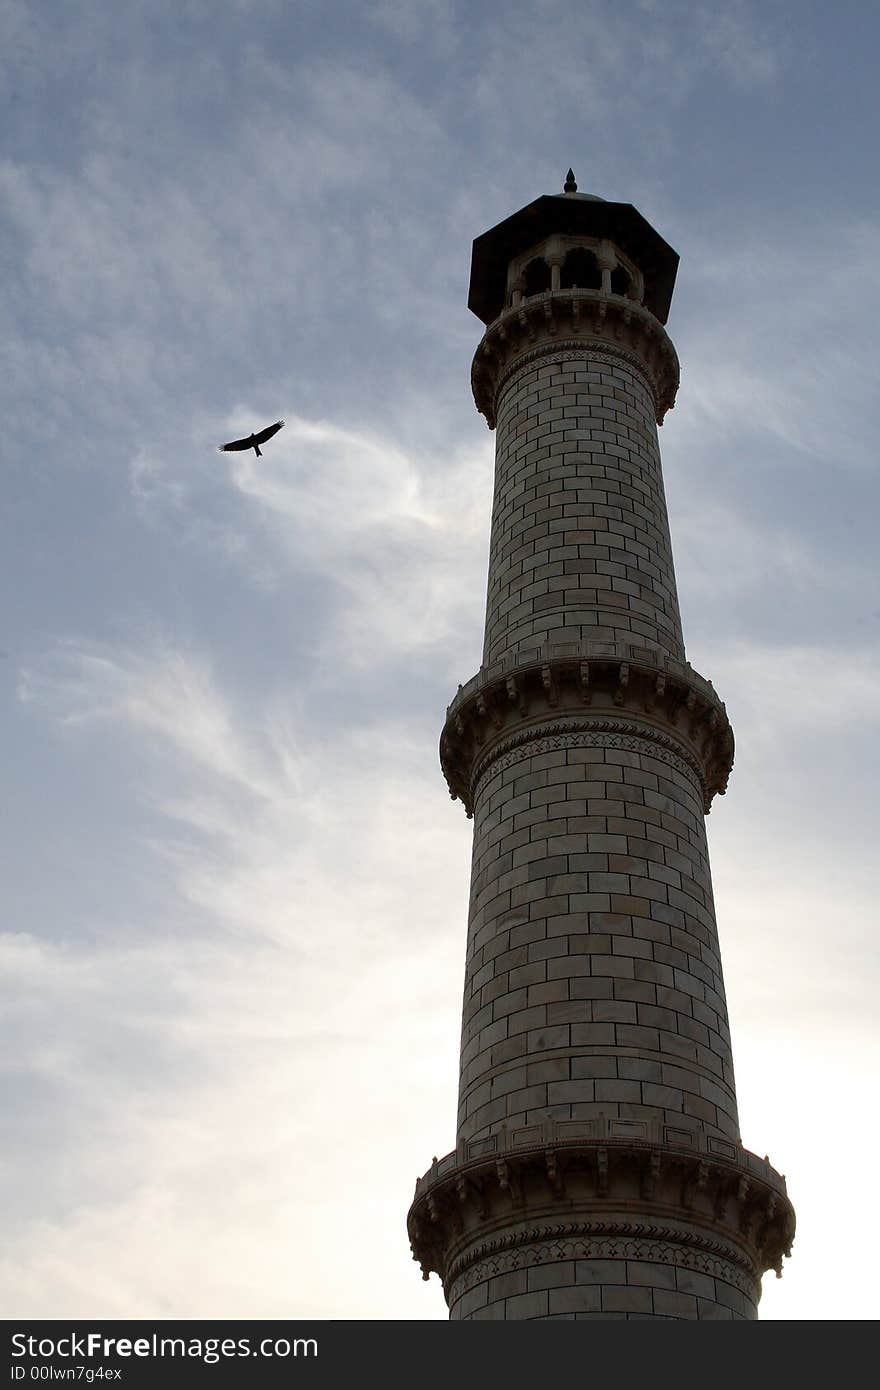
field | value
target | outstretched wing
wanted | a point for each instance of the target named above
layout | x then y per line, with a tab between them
268	432
235	444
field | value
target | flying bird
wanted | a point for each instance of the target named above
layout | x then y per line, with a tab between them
253	441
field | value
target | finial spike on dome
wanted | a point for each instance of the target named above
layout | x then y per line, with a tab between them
570	185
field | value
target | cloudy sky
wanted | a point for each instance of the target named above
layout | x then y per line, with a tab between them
235	888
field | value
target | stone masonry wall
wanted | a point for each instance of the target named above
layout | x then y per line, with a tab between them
580	547
593	981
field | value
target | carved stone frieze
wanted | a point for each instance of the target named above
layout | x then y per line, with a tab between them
573	700
587	1241
590	733
570	323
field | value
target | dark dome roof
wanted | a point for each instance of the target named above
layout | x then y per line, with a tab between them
570	214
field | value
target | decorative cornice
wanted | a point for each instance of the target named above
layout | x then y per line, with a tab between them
591	322
711	1197
608	700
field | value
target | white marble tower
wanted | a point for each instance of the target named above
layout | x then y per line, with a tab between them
598	1170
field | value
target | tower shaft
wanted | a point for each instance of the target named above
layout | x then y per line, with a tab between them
598	1171
580	547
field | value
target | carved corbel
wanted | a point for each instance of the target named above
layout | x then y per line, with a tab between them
516	696
747	1221
770	1209
690	705
476	1193
676	701
650	1176
487	709
508	1180
747	1209
702	1175
549	685
548	315
653	693
586	692
695	1181
528	331
602	1172
554	1174
622	683
575	314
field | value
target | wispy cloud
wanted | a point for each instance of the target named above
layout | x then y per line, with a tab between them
335	865
391	543
402	535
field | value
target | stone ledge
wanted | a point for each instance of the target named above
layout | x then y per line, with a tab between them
635	652
592	321
651	699
600	1177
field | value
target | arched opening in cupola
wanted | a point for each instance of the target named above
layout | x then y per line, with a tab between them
620	280
580	270
536	277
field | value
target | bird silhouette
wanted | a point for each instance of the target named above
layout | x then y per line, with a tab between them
253	441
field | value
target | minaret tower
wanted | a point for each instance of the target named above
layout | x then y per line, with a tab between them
598	1170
